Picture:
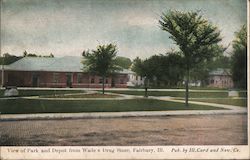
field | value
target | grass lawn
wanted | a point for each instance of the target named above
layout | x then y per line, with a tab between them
180	94
42	92
94	95
18	106
229	101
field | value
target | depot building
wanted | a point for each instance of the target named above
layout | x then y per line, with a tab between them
58	72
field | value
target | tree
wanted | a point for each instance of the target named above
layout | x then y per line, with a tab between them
7	59
174	72
137	66
51	55
123	62
25	53
239	58
144	68
101	61
165	69
196	37
201	71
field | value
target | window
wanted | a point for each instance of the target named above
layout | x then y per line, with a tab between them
106	81
121	81
79	78
212	81
92	80
100	80
136	78
55	77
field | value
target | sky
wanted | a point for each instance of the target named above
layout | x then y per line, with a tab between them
67	27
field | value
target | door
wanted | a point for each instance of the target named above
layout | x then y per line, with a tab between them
69	80
113	82
35	81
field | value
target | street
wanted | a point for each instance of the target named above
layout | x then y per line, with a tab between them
168	130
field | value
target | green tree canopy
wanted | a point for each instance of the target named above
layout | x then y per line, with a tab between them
239	58
137	66
26	54
144	69
167	69
196	37
123	62
7	59
101	62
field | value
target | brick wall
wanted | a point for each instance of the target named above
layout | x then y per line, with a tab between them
61	79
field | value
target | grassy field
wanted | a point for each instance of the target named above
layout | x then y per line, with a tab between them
229	101
94	95
180	87
180	94
42	92
17	106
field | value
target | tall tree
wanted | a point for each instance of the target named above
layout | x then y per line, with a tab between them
239	58
196	37
101	61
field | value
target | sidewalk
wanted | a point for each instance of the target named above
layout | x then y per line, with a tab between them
44	116
231	107
120	89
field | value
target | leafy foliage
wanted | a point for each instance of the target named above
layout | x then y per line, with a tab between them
157	69
137	66
26	54
239	58
123	62
8	59
102	61
196	37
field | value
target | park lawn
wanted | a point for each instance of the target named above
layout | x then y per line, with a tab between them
229	101
34	92
94	95
22	106
180	94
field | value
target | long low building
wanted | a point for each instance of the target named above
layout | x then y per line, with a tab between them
58	72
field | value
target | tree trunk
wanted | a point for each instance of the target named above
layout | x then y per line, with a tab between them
186	86
146	88
103	83
2	83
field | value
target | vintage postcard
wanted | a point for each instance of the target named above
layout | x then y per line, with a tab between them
124	79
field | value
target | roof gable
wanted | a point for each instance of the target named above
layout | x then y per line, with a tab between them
220	72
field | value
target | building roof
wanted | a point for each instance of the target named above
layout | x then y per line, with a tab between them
220	72
58	64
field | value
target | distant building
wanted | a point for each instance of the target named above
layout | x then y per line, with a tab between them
221	78
135	80
58	72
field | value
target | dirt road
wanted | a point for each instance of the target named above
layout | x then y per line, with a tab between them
171	130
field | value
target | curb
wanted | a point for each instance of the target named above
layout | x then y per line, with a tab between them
58	116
